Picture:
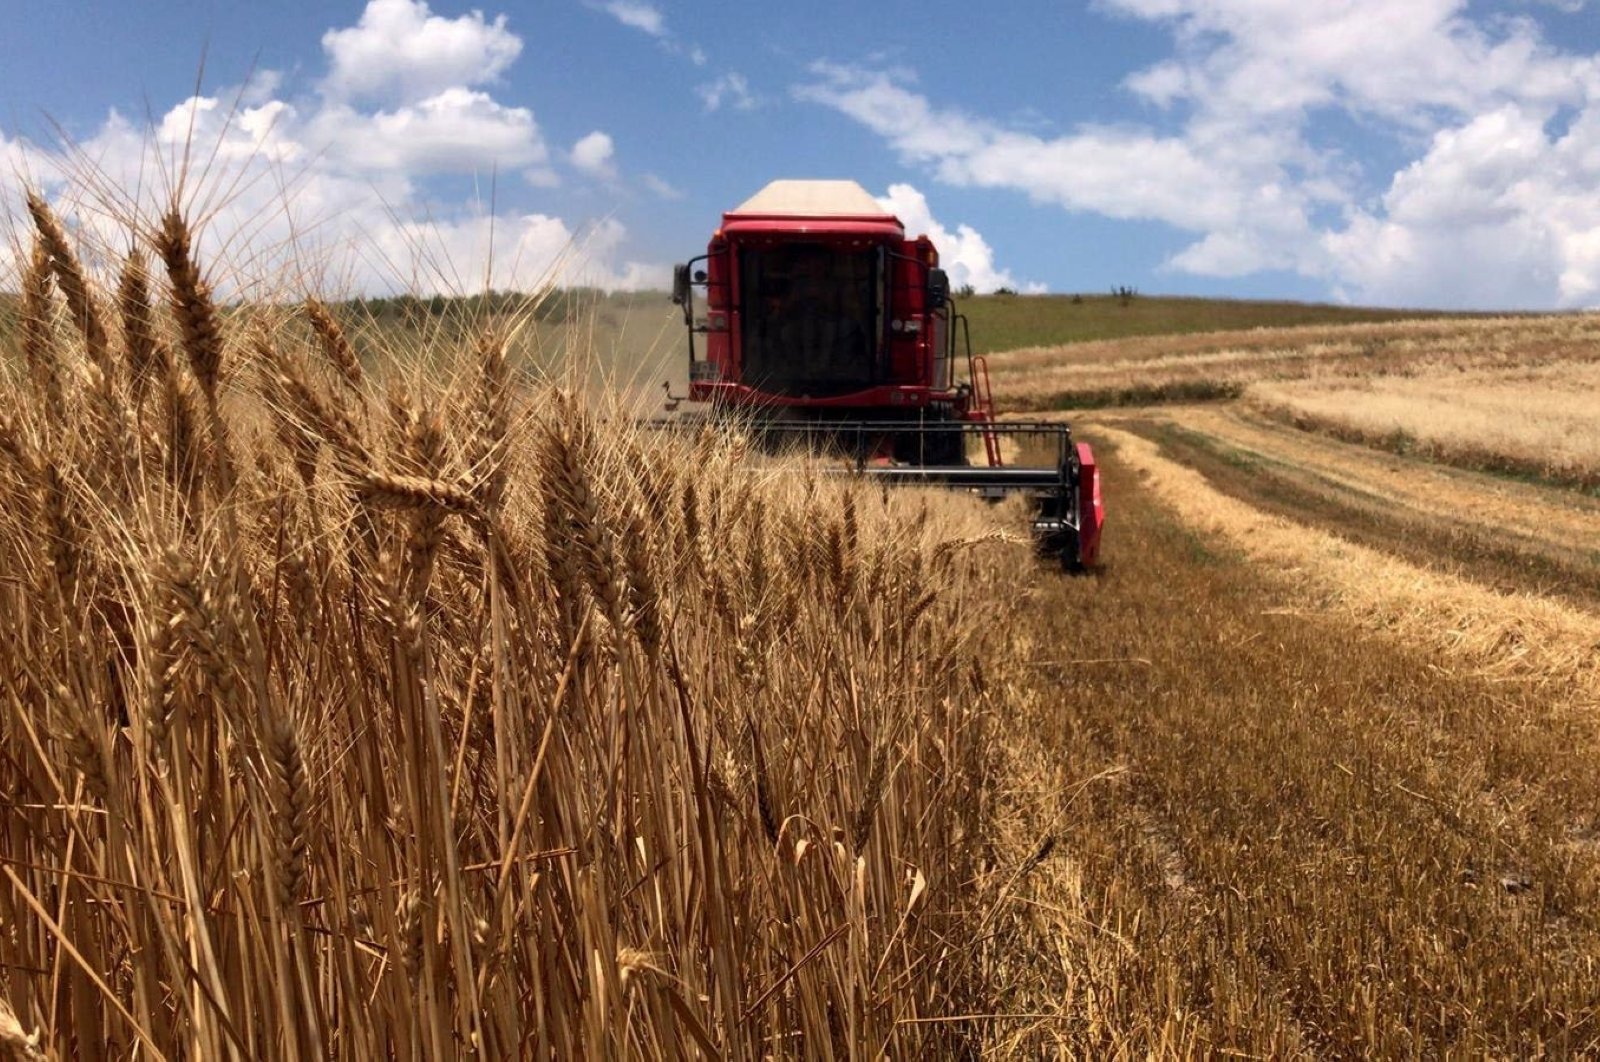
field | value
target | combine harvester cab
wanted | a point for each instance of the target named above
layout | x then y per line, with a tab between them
814	318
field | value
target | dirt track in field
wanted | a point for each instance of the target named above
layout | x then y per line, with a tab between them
1488	533
1325	729
1534	516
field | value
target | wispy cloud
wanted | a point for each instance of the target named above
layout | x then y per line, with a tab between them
1503	128
637	14
649	19
660	188
731	89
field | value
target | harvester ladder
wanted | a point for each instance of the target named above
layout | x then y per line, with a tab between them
983	402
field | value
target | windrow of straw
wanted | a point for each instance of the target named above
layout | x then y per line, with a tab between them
351	712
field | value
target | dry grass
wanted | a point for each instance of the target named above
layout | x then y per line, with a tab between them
1436	492
1489	530
1512	395
1319	740
352	711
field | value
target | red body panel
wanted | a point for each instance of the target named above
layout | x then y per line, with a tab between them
1091	509
888	396
916	370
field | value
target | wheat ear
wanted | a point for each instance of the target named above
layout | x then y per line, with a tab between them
192	304
70	277
334	343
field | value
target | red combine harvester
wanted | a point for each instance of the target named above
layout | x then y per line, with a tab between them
823	322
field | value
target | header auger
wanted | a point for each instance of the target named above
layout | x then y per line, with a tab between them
823	324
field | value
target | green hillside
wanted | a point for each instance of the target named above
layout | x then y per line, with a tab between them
1007	322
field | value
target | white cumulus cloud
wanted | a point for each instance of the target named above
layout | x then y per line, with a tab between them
458	130
963	253
1497	212
522	252
356	189
1255	158
399	48
594	155
237	133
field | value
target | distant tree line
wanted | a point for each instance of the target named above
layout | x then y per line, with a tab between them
553	306
455	314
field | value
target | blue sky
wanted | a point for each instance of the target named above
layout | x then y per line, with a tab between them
1405	152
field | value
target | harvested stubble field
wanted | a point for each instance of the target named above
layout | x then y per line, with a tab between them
1355	813
389	697
1540	421
1352	689
1225	365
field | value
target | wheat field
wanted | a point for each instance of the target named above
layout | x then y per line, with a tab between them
1224	365
356	709
387	692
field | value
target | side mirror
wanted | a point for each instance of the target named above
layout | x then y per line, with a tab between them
680	285
938	289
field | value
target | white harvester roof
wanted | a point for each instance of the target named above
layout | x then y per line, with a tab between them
844	199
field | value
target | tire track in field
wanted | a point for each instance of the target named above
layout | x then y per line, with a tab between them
1497	632
1535	517
1475	538
1568	515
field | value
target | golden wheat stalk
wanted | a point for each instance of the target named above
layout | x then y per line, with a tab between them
292	799
71	279
18	1042
305	411
491	419
388	491
333	342
192	304
145	353
568	450
61	528
38	329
